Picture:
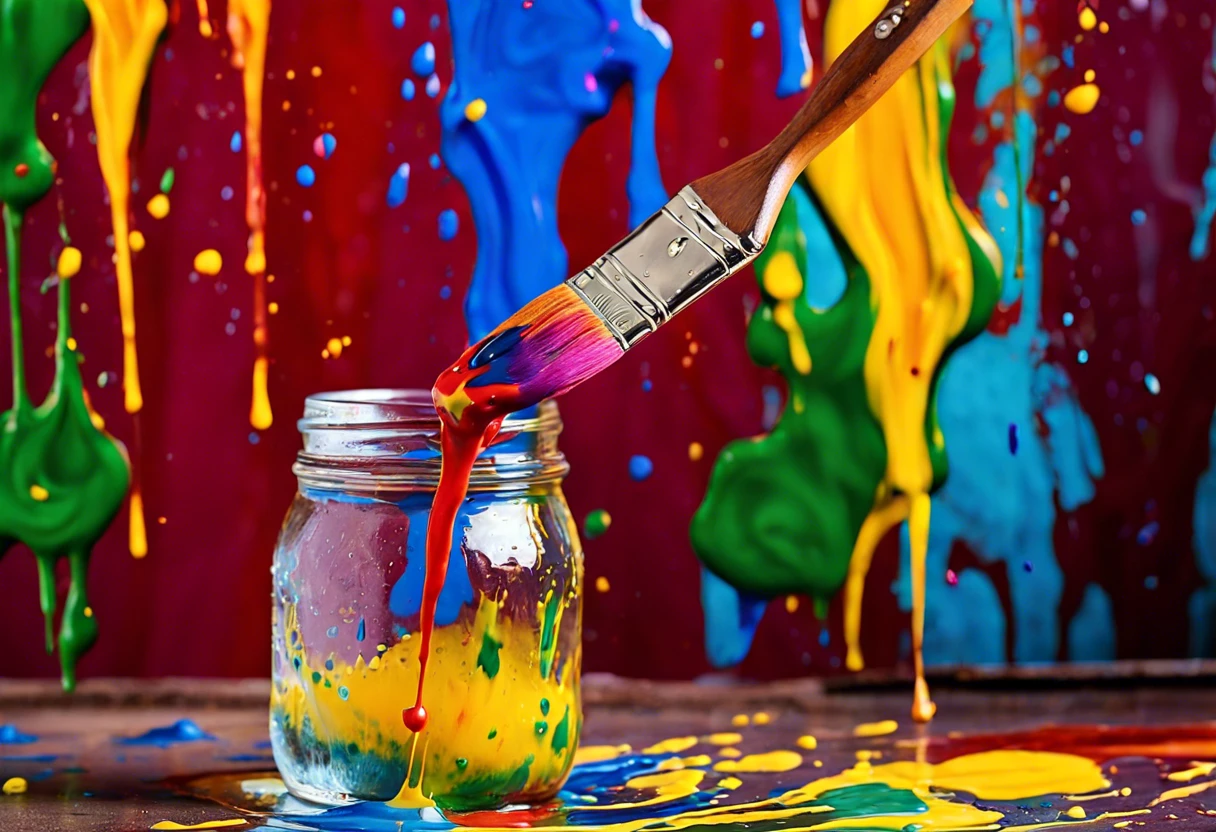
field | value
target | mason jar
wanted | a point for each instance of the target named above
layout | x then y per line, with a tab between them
502	686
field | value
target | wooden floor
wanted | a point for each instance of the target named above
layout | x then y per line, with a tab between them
80	778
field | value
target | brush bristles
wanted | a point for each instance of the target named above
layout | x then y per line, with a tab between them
563	344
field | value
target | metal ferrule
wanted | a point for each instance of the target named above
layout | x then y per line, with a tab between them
665	264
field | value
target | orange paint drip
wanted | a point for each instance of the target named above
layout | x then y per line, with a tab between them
137	532
204	20
248	23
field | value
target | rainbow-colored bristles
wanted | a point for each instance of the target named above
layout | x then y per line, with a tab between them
552	344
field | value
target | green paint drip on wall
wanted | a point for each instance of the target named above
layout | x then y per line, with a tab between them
487	657
783	511
62	479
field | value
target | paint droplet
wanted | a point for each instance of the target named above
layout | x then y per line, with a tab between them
807	742
399	185
408	89
791	604
597	523
527	4
730	783
166	180
449	224
21	170
1152	384
333	347
475	110
951	577
1082	356
1139	216
208	262
136	240
324	144
158	206
739	720
273	307
423	62
15	785
234	144
601	584
1013	438
876	729
1087	18
39	493
1027	566
773	761
758	29
1076	812
306	176
398	17
433	160
695	451
761	718
1082	99
69	262
640	467
432	86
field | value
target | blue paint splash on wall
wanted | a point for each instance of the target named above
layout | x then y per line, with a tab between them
1202	606
184	730
1205	213
1003	506
545	73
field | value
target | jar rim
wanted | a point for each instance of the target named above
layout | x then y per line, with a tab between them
399	407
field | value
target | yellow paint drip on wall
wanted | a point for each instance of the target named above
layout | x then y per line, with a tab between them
783	282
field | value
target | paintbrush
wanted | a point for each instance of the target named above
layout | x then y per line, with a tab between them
707	232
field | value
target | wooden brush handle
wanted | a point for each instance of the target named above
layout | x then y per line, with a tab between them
747	195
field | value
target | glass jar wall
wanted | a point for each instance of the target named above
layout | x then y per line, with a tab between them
502	687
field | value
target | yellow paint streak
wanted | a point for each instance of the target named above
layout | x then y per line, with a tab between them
137	530
465	705
599	753
1099	796
880	520
918	536
783	282
204	20
876	729
1082	99
724	739
248	24
207	824
1187	775
1070	823
671	746
772	761
1184	791
124	38
883	186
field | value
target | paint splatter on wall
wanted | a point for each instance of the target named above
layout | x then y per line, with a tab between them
354	279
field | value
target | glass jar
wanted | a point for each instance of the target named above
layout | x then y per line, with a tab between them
502	687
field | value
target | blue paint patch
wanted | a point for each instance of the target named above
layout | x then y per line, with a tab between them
248	758
1135	138
306	176
795	55
423	61
1013	438
731	619
1082	356
408	90
1201	609
234	144
640	467
1206	212
405	598
1147	533
757	29
1152	384
434	161
449	224
398	185
361	633
398	17
1091	638
11	735
29	758
226	193
1139	217
432	86
1068	318
549	70
184	730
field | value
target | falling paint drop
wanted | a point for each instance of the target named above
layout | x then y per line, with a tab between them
601	584
423	62
69	262
475	110
1087	18
695	451
234	144
158	206
596	524
408	89
640	467
306	176
1082	99
1152	383
758	29
324	144
208	262
398	17
432	86
398	185
449	224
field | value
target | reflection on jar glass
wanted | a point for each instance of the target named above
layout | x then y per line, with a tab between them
502	688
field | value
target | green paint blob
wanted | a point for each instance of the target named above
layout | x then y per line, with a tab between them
544	707
542	728
166	181
561	734
493	733
548	635
461	763
476	791
596	524
487	657
782	512
63	478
